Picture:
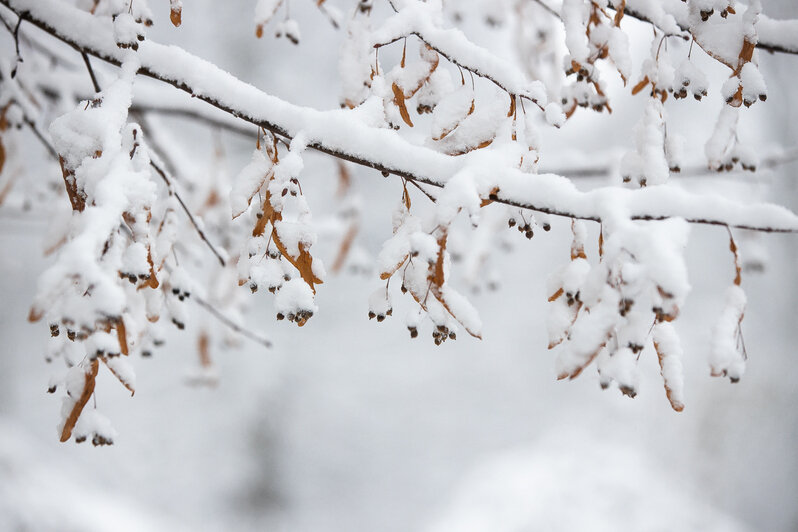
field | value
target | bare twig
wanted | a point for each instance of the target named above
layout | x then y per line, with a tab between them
548	8
172	192
432	198
231	324
91	72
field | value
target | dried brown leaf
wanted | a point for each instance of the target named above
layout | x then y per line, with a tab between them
619	12
512	110
344	179
203	349
76	198
388	273
640	86
5	190
35	314
676	405
302	262
88	389
343	250
399	100
121	334
555	296
128	386
176	15
737	268
2	155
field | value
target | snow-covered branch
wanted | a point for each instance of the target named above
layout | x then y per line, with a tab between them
340	134
122	264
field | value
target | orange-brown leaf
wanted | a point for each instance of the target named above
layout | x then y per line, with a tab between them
268	215
676	405
640	86
343	250
152	281
203	348
601	243
122	381
35	314
578	371
738	270
445	132
491	196
469	149
176	16
439	296
303	262
437	278
121	334
511	112
344	179
556	295
746	54
433	65
388	273
76	197
5	190
88	389
2	155
619	12
399	100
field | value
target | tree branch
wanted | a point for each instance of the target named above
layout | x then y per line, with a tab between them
340	134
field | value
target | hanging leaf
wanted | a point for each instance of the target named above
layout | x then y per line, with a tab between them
121	334
119	369
399	100
2	155
176	13
80	403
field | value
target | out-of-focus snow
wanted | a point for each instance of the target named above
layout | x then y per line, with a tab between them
566	483
42	493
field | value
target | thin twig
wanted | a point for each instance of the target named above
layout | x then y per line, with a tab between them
432	198
91	72
172	192
548	8
463	65
230	323
694	171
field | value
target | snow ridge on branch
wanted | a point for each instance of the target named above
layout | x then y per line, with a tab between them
339	134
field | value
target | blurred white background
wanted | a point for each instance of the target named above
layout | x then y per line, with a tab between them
349	425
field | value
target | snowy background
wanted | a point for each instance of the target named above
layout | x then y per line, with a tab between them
348	425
